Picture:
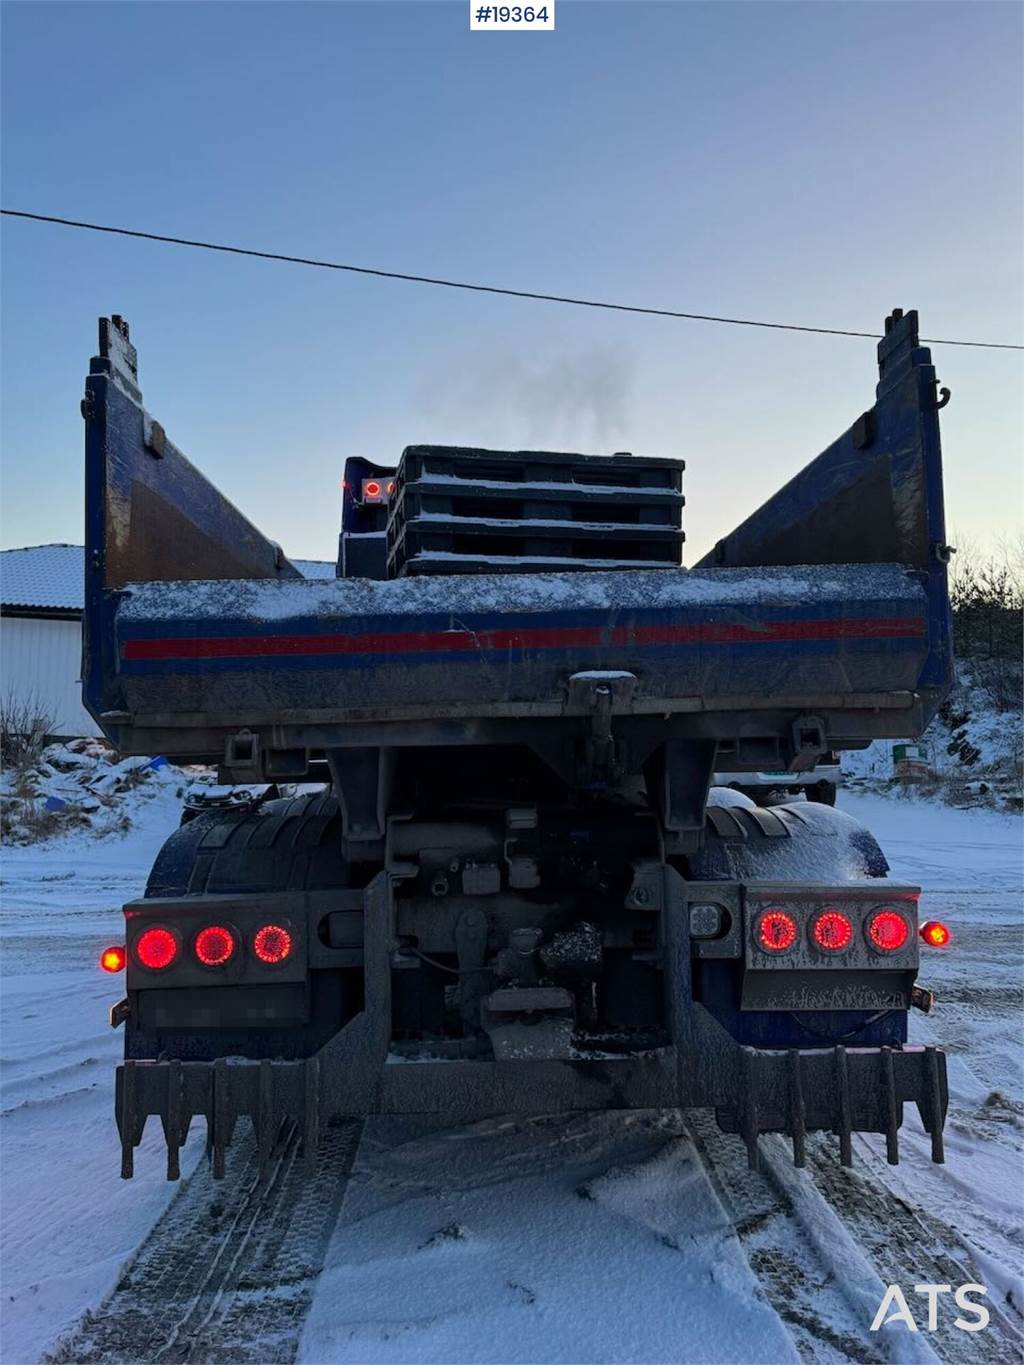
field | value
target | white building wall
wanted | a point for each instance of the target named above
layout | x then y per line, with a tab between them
41	662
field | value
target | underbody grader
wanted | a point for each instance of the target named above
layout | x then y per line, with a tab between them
509	890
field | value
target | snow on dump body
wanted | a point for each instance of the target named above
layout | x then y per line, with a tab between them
266	600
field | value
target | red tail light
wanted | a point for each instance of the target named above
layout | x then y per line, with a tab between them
377	490
214	945
935	933
888	930
156	949
272	944
833	931
776	931
113	959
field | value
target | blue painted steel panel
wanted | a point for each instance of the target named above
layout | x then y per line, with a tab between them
788	634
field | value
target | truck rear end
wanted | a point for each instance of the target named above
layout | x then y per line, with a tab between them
511	893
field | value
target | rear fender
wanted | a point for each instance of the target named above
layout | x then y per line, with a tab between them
800	841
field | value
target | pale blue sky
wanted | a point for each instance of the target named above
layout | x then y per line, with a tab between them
814	163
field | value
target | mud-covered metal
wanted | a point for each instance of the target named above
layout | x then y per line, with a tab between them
833	1087
874	496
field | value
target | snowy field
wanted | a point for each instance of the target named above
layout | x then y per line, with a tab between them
613	1237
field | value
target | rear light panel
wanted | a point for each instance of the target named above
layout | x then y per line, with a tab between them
378	490
860	925
216	941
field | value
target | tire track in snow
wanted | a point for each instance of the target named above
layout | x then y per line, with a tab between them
910	1245
228	1273
809	1268
804	1233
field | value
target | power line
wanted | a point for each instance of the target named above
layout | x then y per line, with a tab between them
482	288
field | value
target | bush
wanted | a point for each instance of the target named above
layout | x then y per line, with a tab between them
1000	682
25	725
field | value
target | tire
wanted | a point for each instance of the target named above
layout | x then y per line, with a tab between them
824	793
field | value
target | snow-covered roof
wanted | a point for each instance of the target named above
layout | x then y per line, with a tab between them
52	577
49	577
315	568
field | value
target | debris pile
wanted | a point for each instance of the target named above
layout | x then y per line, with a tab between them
82	785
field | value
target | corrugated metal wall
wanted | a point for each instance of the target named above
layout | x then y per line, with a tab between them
41	663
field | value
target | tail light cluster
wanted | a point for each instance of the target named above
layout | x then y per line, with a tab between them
214	945
832	930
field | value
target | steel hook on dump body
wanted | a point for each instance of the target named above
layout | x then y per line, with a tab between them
944	396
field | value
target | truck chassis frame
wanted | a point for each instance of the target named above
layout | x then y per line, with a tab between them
752	1090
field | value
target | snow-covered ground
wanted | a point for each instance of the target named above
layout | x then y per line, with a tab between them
969	865
604	1237
68	1221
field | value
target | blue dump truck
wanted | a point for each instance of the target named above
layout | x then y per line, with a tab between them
509	892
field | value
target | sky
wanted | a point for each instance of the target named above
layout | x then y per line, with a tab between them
813	163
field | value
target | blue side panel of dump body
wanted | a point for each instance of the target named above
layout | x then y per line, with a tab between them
830	601
411	647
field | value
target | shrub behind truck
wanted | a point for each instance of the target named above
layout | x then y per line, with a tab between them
511	894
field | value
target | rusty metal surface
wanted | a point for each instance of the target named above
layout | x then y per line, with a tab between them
161	519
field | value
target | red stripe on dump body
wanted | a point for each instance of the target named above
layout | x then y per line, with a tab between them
726	632
548	637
